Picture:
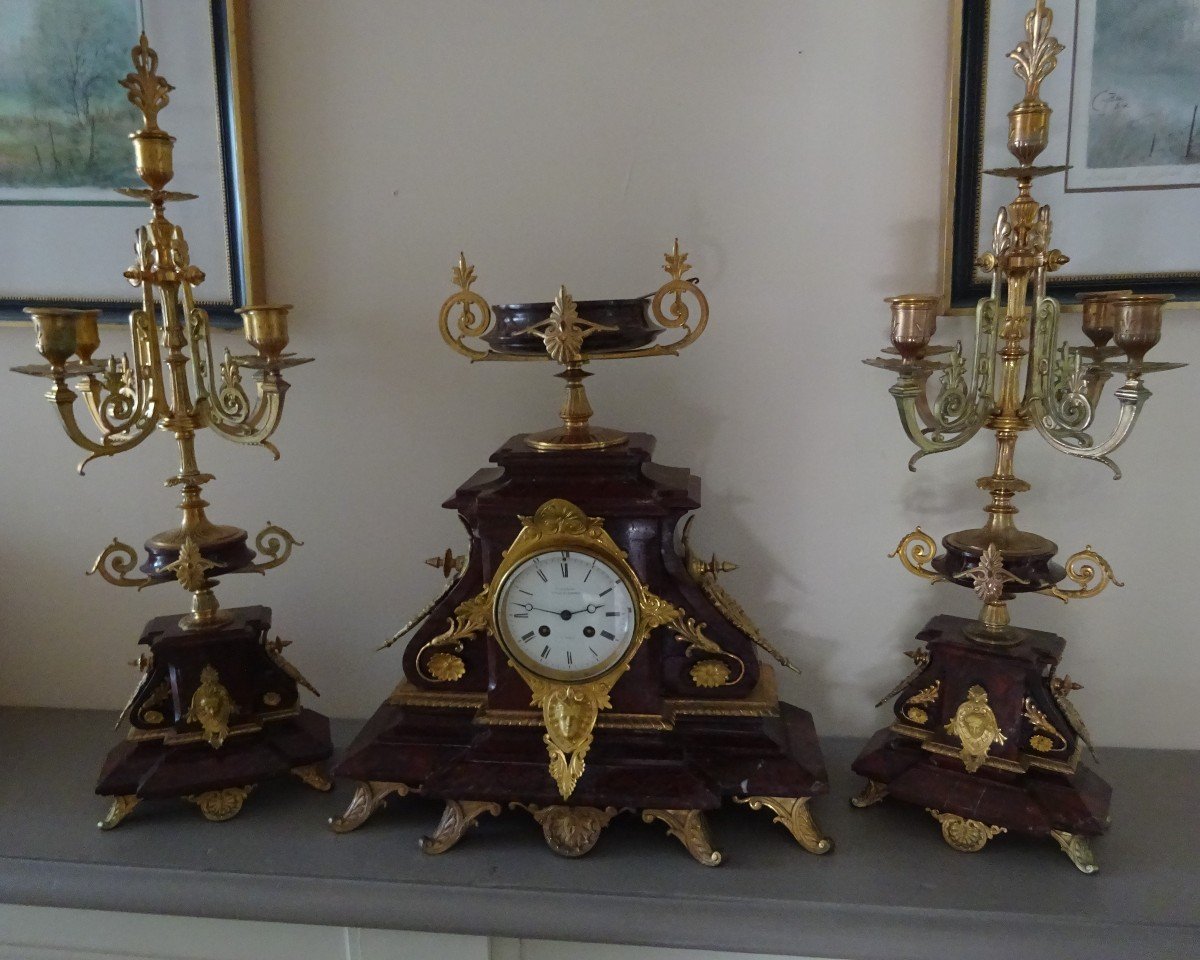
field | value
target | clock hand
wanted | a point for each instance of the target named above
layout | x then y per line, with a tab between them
590	608
530	607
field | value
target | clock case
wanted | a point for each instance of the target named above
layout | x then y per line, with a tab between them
670	747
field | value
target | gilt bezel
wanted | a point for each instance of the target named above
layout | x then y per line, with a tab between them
512	649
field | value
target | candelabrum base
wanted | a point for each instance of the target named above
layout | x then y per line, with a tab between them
987	740
216	712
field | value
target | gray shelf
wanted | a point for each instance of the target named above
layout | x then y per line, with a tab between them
890	890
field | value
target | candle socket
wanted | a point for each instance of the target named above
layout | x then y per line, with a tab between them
914	321
266	329
87	334
1097	318
1137	324
56	329
1028	130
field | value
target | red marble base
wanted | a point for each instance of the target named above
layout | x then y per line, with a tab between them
443	754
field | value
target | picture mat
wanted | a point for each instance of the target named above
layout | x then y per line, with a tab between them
1154	99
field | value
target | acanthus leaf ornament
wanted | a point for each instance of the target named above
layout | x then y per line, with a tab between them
1045	737
963	833
569	831
563	332
470	618
989	577
1037	55
914	706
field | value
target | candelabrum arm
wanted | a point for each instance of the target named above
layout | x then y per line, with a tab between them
63	398
959	409
261	421
1058	403
226	407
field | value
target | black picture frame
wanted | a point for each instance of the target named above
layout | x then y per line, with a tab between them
961	289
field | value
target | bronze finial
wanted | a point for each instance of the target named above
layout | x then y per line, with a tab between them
1037	55
147	90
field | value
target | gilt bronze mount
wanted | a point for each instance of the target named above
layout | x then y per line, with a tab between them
216	707
985	736
573	333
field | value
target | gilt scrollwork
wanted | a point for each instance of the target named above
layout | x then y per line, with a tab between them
275	542
438	660
914	551
793	814
1045	737
457	818
678	315
115	561
1090	571
474	317
690	828
960	409
914	707
368	797
707	672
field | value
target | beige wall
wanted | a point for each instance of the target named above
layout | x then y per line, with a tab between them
796	148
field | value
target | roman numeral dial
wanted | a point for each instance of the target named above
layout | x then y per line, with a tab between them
565	614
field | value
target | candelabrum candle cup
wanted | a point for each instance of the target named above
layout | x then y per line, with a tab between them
1137	324
87	334
1097	318
914	321
152	152
266	329
1028	130
56	329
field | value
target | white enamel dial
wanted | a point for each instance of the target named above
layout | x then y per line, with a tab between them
565	614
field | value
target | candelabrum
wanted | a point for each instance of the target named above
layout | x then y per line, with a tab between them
1016	377
173	383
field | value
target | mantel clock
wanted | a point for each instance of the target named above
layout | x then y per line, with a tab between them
582	660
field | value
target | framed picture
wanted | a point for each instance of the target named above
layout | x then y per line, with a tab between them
64	149
1126	102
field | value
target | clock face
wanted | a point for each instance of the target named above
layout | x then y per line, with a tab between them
565	614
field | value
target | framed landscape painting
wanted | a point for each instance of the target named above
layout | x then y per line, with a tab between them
64	149
1126	121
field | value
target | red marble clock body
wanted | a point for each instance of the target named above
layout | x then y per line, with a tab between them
669	746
